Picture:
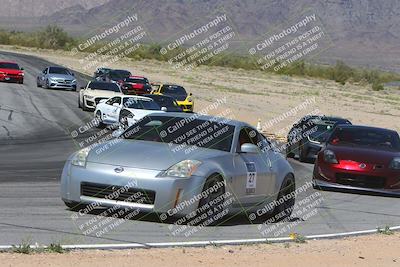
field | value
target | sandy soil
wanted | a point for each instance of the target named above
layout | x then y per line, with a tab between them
373	250
257	95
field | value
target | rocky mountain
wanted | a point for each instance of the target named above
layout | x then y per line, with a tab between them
361	32
37	8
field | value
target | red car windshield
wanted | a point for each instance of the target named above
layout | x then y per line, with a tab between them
136	80
6	65
378	138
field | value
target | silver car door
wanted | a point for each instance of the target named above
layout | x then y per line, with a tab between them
252	171
270	156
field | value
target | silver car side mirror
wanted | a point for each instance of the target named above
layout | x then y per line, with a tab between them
249	148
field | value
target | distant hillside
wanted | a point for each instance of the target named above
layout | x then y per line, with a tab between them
362	32
37	8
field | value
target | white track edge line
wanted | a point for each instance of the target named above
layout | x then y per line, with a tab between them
207	243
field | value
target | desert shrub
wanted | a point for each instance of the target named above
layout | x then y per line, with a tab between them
54	37
377	86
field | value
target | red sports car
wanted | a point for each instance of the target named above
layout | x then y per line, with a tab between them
10	71
137	85
359	159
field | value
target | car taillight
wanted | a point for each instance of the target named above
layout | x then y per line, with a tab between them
330	157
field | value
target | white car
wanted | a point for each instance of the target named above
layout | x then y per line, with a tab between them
126	110
95	91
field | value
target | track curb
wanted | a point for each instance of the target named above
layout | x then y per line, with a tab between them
208	243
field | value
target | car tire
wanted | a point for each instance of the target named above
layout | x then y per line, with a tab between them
99	119
288	187
46	84
75	206
84	108
302	153
79	102
37	83
204	209
289	152
21	81
123	119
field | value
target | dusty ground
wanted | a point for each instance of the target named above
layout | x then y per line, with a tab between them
254	95
373	250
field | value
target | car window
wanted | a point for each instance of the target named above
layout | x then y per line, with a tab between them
114	100
263	143
5	65
104	86
173	90
137	80
58	70
247	135
138	103
182	136
110	101
366	137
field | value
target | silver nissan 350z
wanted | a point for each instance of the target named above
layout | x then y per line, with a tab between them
177	164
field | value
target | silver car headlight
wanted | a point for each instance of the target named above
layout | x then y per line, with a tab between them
183	169
395	164
80	158
73	81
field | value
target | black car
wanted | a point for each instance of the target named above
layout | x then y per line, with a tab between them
165	101
307	137
100	72
114	76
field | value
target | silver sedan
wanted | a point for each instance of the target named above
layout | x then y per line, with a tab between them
174	164
56	78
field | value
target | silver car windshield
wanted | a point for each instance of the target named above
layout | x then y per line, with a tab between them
183	131
58	70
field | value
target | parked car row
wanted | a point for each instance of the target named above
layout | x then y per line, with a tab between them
347	157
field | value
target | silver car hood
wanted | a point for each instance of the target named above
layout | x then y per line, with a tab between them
146	154
61	76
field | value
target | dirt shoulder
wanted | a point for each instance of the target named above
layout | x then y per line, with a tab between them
372	250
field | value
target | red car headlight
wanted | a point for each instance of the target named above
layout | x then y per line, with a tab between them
330	157
395	164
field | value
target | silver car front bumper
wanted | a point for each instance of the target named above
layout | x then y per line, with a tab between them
173	196
61	85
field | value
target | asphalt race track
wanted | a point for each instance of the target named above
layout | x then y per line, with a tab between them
35	140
